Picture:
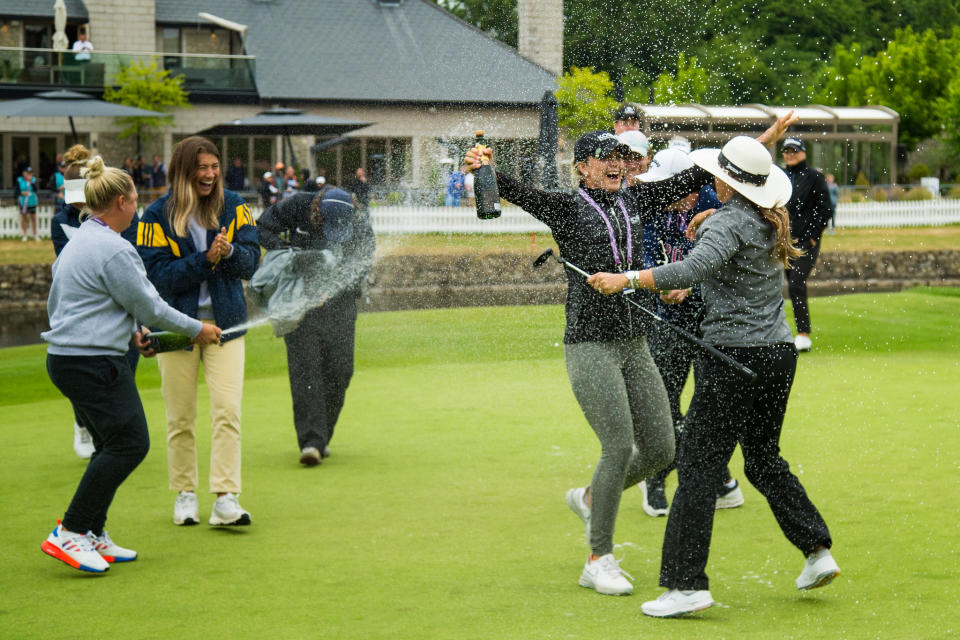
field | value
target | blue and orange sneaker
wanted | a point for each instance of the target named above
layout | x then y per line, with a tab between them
75	549
110	550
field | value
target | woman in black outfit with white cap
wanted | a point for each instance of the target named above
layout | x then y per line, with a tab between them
740	252
609	365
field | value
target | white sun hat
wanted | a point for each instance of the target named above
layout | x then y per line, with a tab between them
666	163
73	191
637	142
746	166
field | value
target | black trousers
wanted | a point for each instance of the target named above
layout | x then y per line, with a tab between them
726	410
674	357
320	364
132	357
797	276
103	391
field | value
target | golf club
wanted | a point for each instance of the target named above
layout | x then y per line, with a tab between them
686	335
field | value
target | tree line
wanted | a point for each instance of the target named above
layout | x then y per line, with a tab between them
904	54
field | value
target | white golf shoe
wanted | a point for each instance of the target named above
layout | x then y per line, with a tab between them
82	442
577	503
605	576
802	343
819	570
228	512
186	509
677	603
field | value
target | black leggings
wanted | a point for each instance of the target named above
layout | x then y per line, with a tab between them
726	410
104	393
797	276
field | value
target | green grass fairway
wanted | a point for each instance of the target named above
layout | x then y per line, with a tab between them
441	513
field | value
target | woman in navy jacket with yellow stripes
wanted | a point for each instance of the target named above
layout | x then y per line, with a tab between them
198	242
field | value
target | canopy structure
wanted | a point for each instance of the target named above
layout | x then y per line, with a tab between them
286	123
70	104
848	132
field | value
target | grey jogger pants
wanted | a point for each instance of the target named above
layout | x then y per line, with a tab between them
623	398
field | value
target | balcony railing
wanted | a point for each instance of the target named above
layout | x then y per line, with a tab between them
51	68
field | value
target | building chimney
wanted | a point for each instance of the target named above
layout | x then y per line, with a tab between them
540	33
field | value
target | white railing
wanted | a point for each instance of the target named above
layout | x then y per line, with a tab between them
930	213
411	219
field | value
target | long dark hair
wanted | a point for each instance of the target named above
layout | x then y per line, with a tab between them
183	198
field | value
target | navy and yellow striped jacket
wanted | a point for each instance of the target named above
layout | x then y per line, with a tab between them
176	268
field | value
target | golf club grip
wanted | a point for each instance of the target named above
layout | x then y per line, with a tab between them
744	370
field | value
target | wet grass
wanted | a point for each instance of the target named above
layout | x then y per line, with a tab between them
441	513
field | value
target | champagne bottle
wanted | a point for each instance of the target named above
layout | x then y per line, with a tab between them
162	341
485	186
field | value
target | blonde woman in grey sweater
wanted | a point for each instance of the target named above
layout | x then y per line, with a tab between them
100	294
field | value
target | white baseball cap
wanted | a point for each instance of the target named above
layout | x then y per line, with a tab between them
666	163
73	191
637	142
266	174
321	180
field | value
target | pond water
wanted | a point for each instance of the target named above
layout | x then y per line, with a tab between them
22	327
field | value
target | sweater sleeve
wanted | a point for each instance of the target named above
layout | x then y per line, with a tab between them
275	220
716	243
126	281
653	197
552	208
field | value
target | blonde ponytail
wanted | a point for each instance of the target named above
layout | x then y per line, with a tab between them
784	250
103	184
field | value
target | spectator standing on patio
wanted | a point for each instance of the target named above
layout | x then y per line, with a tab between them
158	173
359	187
455	189
82	47
27	188
810	212
236	177
269	193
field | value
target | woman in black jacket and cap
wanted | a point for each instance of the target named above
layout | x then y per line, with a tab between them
616	383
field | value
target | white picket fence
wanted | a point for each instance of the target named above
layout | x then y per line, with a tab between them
410	219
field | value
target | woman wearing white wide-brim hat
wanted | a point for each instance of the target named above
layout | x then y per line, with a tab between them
739	256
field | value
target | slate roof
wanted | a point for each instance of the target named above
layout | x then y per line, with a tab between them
360	50
76	10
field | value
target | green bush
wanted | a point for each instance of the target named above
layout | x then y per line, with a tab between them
953	192
917	171
878	194
896	193
861	180
917	194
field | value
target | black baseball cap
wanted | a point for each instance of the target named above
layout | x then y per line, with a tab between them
626	112
598	144
793	143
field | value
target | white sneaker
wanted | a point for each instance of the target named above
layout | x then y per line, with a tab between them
110	550
819	571
577	504
676	603
186	509
227	511
82	442
732	499
309	456
654	499
802	343
74	549
604	575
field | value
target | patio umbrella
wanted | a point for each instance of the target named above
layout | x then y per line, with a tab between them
286	123
70	104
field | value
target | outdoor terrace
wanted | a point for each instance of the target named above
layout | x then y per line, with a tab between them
32	69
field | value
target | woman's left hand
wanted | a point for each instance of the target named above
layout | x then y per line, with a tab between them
608	283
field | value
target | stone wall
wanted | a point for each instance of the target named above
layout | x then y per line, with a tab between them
426	281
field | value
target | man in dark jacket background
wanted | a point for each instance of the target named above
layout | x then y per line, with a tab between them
810	212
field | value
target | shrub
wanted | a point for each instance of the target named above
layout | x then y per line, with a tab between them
861	180
918	193
896	193
953	192
917	171
878	194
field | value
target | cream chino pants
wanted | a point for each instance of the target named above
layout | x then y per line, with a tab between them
223	371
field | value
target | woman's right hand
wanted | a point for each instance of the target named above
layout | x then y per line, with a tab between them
209	334
473	161
695	223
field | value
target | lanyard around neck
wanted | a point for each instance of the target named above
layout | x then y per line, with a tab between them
613	237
